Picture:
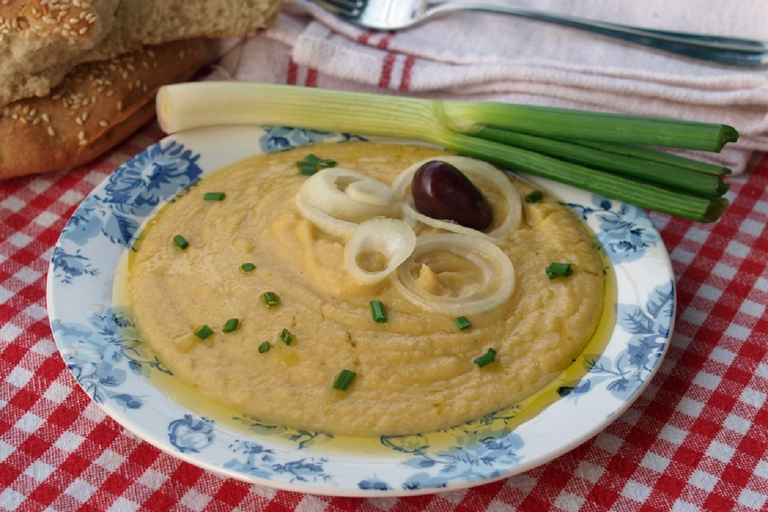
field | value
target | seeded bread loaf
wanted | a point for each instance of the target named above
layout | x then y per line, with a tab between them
42	40
96	106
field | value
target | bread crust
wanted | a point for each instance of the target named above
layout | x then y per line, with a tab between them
42	40
96	106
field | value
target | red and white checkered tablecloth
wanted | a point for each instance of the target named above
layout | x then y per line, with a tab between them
697	439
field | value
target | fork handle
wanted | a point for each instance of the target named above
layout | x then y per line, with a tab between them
728	50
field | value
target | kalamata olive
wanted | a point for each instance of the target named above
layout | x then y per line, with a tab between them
441	191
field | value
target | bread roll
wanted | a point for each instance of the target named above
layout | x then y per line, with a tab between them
42	40
95	107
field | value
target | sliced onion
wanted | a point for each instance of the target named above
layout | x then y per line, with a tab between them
335	227
391	239
495	288
328	190
478	171
447	225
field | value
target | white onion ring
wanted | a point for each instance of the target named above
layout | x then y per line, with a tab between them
391	238
335	227
473	169
497	286
326	190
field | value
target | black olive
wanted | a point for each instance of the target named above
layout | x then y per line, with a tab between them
441	191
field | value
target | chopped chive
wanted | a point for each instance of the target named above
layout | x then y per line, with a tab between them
181	242
230	325
378	312
559	270
486	358
462	323
271	299
247	267
311	164
286	336
534	197
344	379
214	196
204	332
264	347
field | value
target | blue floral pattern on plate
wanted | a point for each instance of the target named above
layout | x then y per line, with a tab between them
100	345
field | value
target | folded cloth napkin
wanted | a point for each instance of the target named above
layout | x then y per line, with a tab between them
480	56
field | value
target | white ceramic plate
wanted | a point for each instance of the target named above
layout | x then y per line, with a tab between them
100	346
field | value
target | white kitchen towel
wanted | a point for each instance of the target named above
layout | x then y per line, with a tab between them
480	56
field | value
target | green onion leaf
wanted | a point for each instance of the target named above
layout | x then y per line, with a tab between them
609	154
462	323
344	379
180	242
534	197
378	312
230	325
311	164
271	299
286	336
204	332
214	196
486	358
247	267
264	347
559	270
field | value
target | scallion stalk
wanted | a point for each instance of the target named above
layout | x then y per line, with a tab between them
454	125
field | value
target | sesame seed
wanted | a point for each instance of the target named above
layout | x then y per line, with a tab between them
46	118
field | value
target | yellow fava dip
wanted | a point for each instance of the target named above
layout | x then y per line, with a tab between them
415	373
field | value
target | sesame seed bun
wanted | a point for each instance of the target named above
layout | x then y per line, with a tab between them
42	40
96	106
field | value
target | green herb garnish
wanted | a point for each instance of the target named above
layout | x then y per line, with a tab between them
286	336
214	196
247	267
486	358
559	270
271	299
311	164
264	347
204	332
378	311
230	325
344	379
462	323
534	197
180	242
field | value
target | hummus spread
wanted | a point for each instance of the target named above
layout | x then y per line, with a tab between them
415	372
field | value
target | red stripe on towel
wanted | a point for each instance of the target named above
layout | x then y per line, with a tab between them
405	80
386	69
293	73
311	80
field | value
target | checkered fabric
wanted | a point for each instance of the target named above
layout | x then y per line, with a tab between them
697	439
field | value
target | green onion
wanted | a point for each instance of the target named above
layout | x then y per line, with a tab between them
486	358
271	299
286	336
264	347
247	267
180	242
214	196
204	332
311	164
534	197
378	312
608	154
559	270
344	379
462	323
230	325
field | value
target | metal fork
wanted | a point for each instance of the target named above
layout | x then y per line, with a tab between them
402	14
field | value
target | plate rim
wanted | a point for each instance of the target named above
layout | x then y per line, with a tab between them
325	489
